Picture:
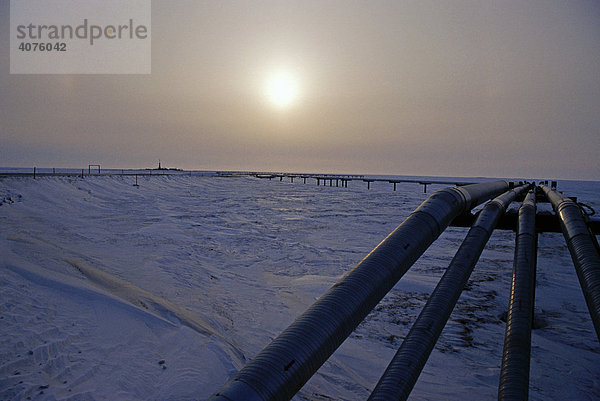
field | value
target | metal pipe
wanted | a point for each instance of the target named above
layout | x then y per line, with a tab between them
403	371
584	252
514	374
282	368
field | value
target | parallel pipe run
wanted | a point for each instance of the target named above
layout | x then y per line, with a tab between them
514	375
402	373
282	368
584	252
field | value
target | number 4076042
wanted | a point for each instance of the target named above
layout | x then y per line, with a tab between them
43	47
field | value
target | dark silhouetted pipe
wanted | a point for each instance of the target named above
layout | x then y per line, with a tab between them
402	373
514	375
582	248
282	368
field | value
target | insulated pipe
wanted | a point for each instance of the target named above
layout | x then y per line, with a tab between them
582	248
402	373
514	375
282	368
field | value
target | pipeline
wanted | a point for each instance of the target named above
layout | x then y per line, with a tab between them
403	371
514	374
282	368
584	252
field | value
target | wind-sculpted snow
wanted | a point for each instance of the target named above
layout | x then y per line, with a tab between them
150	302
111	291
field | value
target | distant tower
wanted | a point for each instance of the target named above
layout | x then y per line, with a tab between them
159	164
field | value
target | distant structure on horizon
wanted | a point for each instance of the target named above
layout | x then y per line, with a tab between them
165	168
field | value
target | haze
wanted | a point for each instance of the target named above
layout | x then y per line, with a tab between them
451	88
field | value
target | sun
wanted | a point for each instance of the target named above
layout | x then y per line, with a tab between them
281	89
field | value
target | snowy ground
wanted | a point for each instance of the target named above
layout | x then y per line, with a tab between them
163	291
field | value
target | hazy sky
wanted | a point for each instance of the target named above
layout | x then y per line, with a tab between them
469	88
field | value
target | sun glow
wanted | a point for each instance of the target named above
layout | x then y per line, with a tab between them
281	89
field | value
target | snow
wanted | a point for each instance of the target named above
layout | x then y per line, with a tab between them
164	291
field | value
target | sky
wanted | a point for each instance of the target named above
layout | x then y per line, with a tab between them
446	88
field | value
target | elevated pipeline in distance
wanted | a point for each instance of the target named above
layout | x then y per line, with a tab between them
582	248
403	371
514	374
282	368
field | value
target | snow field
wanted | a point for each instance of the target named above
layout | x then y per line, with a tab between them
101	280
